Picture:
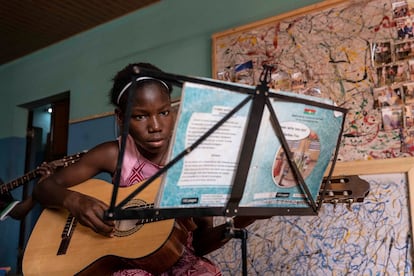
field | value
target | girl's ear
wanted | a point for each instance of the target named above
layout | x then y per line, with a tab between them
119	116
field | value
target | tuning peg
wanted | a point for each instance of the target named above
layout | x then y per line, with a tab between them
349	203
334	202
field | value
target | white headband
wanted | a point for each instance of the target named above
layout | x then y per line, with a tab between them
137	80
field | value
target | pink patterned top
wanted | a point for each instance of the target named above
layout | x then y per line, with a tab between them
135	168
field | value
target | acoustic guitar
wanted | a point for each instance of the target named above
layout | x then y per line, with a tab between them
60	246
64	162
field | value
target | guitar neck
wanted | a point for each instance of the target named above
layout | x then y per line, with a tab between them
64	162
6	187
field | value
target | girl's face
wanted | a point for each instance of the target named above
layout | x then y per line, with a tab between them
151	122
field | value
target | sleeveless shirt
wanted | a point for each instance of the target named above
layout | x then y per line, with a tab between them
136	168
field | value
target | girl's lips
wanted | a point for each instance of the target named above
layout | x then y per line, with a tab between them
156	143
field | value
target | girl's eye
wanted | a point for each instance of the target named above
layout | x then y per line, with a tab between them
139	117
165	113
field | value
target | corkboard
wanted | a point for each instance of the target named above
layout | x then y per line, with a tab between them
353	52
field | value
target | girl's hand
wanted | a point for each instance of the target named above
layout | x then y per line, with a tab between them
45	170
90	212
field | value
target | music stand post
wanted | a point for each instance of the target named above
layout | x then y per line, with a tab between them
260	99
238	233
242	170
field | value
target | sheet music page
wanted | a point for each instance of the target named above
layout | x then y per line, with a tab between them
312	134
214	161
204	177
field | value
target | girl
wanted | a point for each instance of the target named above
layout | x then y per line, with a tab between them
150	130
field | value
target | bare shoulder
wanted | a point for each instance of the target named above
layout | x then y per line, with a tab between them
103	156
109	149
100	159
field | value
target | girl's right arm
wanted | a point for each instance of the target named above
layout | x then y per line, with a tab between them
53	191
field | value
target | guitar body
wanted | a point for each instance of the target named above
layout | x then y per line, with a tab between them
155	246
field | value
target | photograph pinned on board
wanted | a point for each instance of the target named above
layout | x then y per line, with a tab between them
388	96
299	81
280	81
411	69
408	92
399	9
402	72
388	74
381	53
392	117
404	50
407	141
404	28
226	75
409	115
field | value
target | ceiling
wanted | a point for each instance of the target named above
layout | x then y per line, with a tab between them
30	25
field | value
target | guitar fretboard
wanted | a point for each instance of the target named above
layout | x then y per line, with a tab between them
4	188
64	162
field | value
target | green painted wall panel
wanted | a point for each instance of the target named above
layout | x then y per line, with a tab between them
175	35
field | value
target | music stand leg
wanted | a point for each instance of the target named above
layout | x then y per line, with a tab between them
239	233
242	235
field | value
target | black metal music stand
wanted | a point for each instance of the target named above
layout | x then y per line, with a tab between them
259	96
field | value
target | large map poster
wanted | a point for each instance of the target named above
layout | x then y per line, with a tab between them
358	53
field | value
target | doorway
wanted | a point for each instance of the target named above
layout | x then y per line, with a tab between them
46	140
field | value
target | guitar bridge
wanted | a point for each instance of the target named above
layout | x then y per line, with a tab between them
67	235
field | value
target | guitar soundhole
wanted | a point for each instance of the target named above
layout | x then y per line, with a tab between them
128	227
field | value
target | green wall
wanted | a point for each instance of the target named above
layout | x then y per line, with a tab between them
175	35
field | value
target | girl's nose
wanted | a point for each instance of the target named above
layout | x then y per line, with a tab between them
154	124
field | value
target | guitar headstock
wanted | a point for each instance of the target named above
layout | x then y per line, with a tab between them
67	160
344	189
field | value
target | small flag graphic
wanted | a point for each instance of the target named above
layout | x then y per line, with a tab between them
309	111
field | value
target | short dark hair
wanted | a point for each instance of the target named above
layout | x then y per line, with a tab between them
123	77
